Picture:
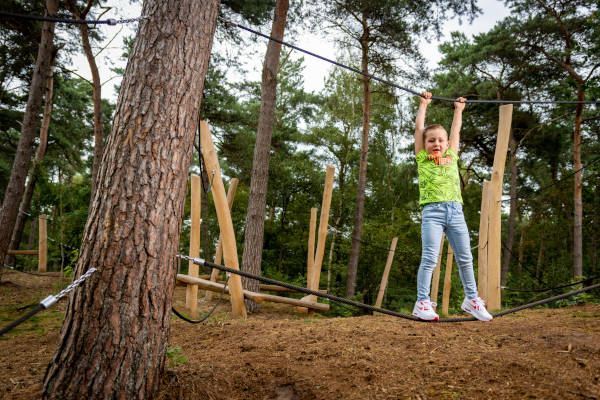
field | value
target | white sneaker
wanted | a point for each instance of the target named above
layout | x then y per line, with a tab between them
425	310
476	307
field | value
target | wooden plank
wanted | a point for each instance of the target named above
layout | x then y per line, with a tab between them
22	252
191	293
310	257
447	281
258	297
482	249
225	224
435	284
219	253
42	243
323	225
386	273
495	209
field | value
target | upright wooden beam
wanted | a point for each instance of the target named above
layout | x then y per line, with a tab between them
42	243
323	225
386	273
219	253
482	249
447	281
225	224
191	292
313	284
310	258
495	208
435	284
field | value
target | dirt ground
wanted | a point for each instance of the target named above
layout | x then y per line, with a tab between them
279	354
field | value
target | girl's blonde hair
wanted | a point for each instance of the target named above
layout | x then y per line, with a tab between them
431	128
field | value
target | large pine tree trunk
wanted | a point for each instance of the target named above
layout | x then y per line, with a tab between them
39	156
114	337
510	235
362	172
257	200
577	183
22	161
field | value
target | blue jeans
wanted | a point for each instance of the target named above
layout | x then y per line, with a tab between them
445	217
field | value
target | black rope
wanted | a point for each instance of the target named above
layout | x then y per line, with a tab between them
191	321
24	318
109	21
587	280
386	82
558	182
367	307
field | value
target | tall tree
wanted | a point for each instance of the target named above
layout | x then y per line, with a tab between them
81	12
564	36
383	32
114	337
22	161
255	220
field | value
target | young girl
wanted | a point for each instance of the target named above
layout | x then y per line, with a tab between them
439	195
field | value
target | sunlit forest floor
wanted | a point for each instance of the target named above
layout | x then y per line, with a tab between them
280	354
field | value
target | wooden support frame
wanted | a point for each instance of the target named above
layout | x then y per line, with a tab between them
191	292
313	283
447	281
435	284
257	297
225	223
495	209
219	253
386	273
482	249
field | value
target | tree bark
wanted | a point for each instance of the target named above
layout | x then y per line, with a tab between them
595	227
97	89
114	337
22	161
510	235
257	200
17	234
362	172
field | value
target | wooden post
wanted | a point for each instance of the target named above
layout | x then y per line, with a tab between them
482	250
435	284
42	243
191	292
447	281
219	253
310	258
225	224
322	236
386	273
495	209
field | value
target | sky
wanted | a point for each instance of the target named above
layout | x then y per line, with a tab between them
315	70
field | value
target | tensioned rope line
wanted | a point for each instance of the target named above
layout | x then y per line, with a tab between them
48	302
558	182
191	321
586	280
202	262
386	82
109	21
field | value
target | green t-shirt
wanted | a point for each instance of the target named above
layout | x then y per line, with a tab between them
438	178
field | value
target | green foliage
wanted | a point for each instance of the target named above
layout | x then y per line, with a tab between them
176	357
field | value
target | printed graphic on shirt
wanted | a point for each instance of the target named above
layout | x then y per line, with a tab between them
438	177
439	159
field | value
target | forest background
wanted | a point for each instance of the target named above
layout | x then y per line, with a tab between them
515	59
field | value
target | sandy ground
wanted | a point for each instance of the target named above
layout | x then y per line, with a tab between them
279	354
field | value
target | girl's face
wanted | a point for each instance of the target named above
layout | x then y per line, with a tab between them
436	140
